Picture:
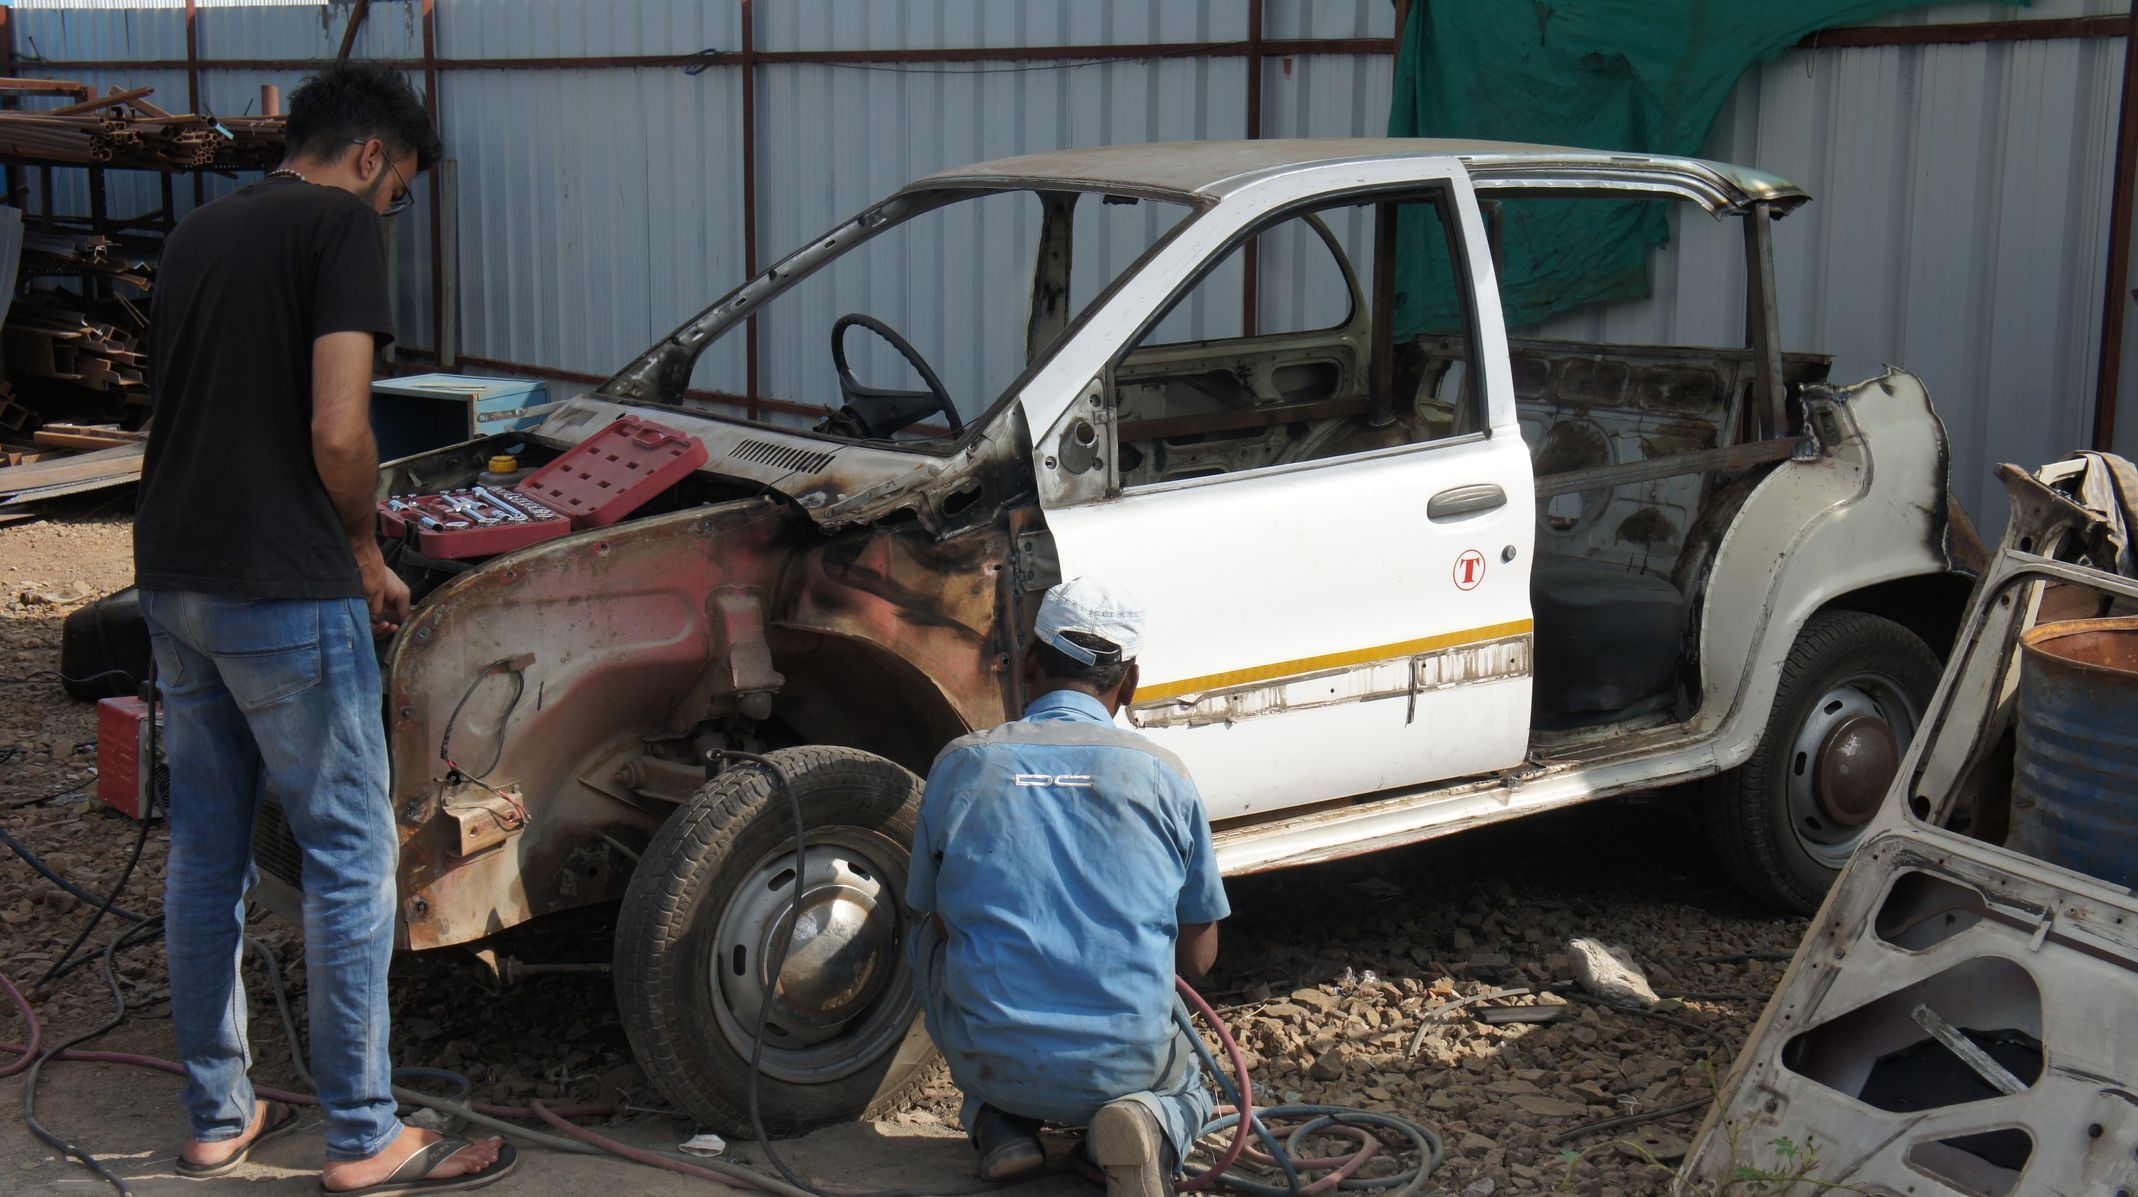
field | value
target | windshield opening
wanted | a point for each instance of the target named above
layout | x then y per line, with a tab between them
918	323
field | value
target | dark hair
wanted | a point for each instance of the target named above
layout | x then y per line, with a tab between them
1062	667
355	101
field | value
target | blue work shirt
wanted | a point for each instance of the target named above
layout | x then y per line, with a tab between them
1063	854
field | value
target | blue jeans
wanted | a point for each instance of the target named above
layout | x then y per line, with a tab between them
281	696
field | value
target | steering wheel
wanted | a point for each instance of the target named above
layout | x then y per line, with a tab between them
872	412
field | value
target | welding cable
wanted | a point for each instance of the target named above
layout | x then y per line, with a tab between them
133	860
124	939
40	800
48	873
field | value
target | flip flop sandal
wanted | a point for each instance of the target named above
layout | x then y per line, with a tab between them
413	1176
280	1120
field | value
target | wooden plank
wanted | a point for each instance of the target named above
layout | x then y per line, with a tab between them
74	440
17	482
116	97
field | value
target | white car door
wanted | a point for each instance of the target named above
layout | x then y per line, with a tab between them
1348	612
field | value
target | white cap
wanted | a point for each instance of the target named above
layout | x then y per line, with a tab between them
1093	608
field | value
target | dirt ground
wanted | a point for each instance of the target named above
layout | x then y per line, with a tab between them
1340	981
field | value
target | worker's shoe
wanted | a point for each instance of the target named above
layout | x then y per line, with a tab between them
1009	1145
1127	1143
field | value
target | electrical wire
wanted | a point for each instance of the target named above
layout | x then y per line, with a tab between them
445	739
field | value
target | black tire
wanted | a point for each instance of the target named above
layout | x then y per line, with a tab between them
1778	851
692	1034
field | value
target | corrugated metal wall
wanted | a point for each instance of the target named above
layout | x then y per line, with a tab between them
1960	228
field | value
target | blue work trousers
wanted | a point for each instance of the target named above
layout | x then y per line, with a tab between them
1029	1087
277	695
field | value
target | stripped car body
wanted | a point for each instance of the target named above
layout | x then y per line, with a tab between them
550	708
1942	935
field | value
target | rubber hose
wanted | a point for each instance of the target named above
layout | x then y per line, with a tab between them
1245	1099
36	1036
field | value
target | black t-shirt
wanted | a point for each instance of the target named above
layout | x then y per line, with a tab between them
230	501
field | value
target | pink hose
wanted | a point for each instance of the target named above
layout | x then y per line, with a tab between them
37	1034
1247	1096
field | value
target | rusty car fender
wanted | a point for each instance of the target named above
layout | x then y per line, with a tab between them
547	673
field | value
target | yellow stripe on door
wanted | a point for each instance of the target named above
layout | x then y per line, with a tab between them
1307	665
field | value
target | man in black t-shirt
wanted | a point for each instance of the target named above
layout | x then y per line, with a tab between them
263	586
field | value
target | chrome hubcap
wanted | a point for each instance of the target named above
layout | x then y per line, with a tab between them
841	997
1845	756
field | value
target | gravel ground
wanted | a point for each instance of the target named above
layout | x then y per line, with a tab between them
1342	981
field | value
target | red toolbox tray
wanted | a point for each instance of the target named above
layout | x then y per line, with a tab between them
607	477
612	473
482	521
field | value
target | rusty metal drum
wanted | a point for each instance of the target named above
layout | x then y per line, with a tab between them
2075	790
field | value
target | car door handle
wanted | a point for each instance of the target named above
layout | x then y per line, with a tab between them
1465	500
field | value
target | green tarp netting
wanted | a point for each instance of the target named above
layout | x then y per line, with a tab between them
1636	75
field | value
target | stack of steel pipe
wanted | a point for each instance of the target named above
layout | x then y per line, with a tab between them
123	129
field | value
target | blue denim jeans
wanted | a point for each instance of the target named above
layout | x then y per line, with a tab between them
281	696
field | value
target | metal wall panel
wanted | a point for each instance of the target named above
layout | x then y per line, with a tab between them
575	28
959	24
393	30
598	209
1330	18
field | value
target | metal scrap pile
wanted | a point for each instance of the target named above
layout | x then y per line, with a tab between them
123	129
73	389
70	344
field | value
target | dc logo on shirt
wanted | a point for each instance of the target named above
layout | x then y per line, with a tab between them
1075	781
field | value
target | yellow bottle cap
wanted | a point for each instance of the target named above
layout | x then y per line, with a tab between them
504	463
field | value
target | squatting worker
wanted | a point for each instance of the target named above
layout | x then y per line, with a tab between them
1065	870
263	587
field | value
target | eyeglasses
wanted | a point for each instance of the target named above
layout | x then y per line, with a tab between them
403	198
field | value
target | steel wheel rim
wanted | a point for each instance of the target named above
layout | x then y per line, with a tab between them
1859	696
846	998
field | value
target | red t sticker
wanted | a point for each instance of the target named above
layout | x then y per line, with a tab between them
1469	570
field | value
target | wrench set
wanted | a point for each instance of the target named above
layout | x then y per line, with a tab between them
602	480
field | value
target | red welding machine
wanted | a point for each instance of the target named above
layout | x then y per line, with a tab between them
607	477
122	744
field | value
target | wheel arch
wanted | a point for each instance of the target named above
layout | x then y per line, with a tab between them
840	687
1930	605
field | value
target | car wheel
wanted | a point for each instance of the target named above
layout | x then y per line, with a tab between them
1852	694
701	920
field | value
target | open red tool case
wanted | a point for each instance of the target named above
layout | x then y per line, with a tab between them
607	477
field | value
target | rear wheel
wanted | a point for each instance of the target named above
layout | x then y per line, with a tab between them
1851	697
706	909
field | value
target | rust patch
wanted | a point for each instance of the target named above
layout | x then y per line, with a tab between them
1675	437
1648	527
1531	376
1586	382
